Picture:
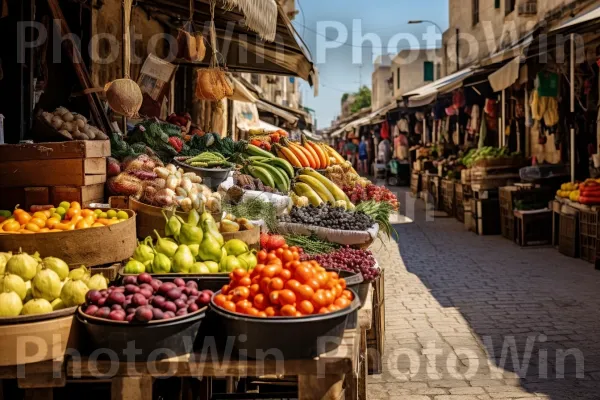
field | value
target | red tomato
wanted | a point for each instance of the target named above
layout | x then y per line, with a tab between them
306	307
239	274
264	285
285	274
319	299
314	284
229	306
260	302
225	289
245	281
287	256
303	274
286	297
254	289
288	311
261	256
253	312
220	299
240	293
293	285
342	303
271	311
243	306
276	284
274	298
271	270
305	292
329	297
348	294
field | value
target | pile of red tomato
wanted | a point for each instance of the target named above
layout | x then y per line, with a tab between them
282	285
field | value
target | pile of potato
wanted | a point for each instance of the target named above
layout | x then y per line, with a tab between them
72	125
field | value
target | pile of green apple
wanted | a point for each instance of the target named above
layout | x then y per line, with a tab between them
194	246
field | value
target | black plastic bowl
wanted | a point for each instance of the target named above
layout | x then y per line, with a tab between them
153	341
211	177
285	338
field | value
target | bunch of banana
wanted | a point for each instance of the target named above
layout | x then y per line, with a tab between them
271	171
317	189
304	154
334	157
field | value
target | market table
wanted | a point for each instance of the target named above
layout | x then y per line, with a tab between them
342	372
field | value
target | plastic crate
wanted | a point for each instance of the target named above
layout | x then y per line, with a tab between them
588	235
568	241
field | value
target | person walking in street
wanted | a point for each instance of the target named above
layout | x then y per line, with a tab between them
384	151
363	156
351	151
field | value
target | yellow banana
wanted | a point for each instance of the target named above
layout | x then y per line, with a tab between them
303	190
337	193
332	153
318	187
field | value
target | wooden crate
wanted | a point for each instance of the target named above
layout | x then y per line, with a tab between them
376	335
533	229
62	172
85	195
54	150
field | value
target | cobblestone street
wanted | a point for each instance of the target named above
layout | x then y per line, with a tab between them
474	318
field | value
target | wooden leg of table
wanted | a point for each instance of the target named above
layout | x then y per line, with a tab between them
363	370
39	394
328	387
131	388
351	386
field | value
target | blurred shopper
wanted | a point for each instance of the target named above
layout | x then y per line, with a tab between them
363	157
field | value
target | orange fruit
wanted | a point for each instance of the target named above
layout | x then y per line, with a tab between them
76	205
51	223
44	230
82	225
288	311
87	213
38	221
306	307
90	220
229	306
240	293
11	226
286	297
23	218
40	215
32	227
73	212
97	225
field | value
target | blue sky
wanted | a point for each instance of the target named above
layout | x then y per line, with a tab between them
385	18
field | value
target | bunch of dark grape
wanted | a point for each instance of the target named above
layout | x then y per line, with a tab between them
348	259
327	216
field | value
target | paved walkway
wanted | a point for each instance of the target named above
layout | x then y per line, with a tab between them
474	318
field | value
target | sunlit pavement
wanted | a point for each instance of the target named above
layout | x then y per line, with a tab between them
455	300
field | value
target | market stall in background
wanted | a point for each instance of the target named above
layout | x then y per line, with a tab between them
192	209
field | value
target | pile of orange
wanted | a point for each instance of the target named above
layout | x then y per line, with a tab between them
49	221
281	285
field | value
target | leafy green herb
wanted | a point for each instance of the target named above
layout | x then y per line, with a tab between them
255	209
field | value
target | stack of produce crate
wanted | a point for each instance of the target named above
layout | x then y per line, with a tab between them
48	173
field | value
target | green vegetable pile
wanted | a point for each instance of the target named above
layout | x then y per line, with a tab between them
255	209
485	153
155	135
312	245
380	212
214	143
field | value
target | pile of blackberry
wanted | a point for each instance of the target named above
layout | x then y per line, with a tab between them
327	216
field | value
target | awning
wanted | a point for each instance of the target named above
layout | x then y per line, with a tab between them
241	92
517	49
242	49
270	108
312	136
367	120
505	76
427	94
591	18
268	128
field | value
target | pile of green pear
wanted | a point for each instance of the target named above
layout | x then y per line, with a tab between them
194	246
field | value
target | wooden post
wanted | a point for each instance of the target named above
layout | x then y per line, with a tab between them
131	388
328	387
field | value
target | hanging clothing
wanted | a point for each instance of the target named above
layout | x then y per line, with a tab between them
475	122
385	130
547	84
403	126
